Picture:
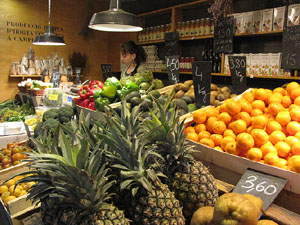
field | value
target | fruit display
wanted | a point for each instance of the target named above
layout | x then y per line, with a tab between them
262	125
13	154
11	190
232	208
13	110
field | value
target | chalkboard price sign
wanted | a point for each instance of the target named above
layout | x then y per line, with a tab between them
106	70
171	43
291	48
55	78
202	79
237	65
43	74
223	35
262	185
173	68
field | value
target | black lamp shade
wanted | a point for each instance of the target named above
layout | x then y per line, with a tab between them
49	38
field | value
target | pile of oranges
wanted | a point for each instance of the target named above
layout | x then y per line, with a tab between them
263	126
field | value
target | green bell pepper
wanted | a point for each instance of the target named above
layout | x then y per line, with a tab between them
113	81
109	91
130	86
97	93
100	103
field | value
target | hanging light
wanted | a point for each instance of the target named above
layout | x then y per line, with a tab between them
49	37
115	20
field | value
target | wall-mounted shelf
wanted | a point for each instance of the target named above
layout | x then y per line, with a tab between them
25	76
258	34
150	42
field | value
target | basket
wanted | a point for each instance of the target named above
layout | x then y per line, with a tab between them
22	89
38	92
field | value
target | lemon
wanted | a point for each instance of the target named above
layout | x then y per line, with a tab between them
23	192
30	184
4	195
3	189
8	198
14	191
10	183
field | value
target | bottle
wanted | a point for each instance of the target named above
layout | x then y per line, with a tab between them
181	64
207	26
212	26
150	34
192	29
202	24
162	32
187	29
146	34
197	27
183	25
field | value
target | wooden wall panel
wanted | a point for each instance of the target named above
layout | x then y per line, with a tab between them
71	16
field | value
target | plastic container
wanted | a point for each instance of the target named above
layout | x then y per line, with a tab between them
39	110
53	97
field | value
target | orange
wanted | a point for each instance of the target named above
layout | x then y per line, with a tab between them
246	117
291	140
200	127
229	132
268	148
281	163
283	149
260	94
225	117
222	108
297	101
260	137
275	108
280	90
296	148
217	138
291	86
293	106
271	158
295	114
249	129
256	112
295	93
210	122
212	111
258	104
283	118
254	154
245	106
189	129
272	126
192	136
233	107
199	116
294	162
275	98
286	101
297	135
238	126
292	127
226	140
219	127
219	148
248	96
244	141
259	121
276	136
231	148
207	142
203	134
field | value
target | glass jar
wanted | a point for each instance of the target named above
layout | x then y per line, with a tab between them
212	26
145	38
197	27
202	24
187	28
150	34
157	33
192	29
207	26
181	64
182	29
162	32
187	64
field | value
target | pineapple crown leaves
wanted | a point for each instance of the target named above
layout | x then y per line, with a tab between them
129	151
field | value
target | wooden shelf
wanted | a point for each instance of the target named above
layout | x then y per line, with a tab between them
259	33
150	42
196	37
275	77
23	76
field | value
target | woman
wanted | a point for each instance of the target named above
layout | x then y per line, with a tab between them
132	56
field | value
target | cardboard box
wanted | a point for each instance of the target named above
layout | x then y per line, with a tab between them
293	15
257	21
239	23
267	24
279	18
255	64
264	64
248	22
274	64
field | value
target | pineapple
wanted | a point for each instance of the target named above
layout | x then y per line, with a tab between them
191	181
147	200
72	186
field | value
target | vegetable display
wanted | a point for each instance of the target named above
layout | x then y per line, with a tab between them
12	110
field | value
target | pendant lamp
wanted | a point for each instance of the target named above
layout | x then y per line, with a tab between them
115	19
49	37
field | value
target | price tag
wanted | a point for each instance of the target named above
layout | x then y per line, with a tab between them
223	35
171	43
202	79
262	185
53	97
106	70
43	75
173	68
237	65
55	78
291	48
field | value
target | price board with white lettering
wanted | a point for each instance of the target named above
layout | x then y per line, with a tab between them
237	65
172	63
171	43
260	184
223	35
291	48
55	78
202	79
106	70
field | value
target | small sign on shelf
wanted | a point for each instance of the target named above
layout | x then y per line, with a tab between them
55	78
223	35
106	70
171	43
173	68
237	66
291	47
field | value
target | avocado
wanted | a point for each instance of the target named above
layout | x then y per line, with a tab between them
191	107
154	93
180	104
146	104
187	99
131	95
135	101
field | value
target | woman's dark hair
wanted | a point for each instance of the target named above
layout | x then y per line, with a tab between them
132	48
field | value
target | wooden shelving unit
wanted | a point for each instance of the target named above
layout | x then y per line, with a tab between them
258	34
150	42
25	76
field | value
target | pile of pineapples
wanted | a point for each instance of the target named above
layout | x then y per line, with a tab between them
126	171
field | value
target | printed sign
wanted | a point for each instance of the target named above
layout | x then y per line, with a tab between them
262	185
171	43
291	48
173	68
223	35
55	78
106	70
237	65
202	79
